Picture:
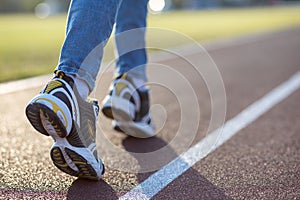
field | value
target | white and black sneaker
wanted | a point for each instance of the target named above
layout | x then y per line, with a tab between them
58	111
128	106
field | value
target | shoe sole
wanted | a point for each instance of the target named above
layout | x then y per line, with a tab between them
115	109
61	150
34	112
118	109
85	170
134	129
116	114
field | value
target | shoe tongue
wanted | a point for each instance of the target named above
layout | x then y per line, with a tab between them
62	75
69	80
122	76
136	82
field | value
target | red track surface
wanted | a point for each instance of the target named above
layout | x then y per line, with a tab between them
260	162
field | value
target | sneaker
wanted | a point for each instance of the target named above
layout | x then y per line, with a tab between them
58	111
128	106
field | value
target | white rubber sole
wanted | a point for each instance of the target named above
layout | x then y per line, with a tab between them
135	129
118	108
58	107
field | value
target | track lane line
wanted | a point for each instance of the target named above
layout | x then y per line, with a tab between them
160	179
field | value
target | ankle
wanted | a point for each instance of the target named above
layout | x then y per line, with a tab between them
82	87
139	83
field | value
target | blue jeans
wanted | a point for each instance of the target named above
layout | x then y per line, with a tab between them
90	23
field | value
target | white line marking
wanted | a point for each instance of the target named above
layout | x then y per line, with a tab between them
160	179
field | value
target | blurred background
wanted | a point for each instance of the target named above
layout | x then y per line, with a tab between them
32	31
44	8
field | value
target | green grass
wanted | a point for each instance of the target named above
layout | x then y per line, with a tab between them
30	46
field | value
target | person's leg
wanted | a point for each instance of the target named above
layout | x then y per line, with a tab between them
90	23
61	110
128	101
130	38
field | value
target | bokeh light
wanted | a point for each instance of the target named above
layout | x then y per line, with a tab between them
157	6
42	10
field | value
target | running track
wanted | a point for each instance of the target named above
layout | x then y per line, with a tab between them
258	159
